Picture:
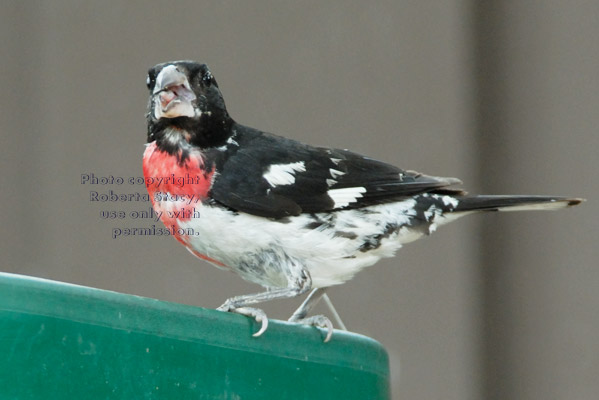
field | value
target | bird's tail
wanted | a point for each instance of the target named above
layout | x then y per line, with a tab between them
513	203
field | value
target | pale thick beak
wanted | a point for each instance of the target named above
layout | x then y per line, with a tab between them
173	96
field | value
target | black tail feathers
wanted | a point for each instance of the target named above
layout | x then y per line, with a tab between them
513	203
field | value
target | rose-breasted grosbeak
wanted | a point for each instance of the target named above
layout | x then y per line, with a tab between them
279	213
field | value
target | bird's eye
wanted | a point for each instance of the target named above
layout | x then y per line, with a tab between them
207	76
148	82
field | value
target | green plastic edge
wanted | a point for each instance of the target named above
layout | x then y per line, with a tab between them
114	310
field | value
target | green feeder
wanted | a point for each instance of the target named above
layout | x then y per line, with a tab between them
62	341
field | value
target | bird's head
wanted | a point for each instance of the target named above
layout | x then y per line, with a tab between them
185	96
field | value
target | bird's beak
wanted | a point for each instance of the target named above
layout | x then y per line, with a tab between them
173	96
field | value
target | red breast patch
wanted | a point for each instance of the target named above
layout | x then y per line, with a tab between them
176	189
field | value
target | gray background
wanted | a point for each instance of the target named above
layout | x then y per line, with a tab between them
504	95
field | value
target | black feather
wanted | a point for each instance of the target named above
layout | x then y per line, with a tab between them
498	202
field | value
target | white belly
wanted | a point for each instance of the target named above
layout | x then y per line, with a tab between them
332	246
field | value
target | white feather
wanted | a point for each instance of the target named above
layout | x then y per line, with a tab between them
283	174
448	200
335	173
345	196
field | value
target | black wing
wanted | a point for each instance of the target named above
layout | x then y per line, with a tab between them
317	179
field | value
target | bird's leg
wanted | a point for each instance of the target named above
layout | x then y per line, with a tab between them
317	320
308	304
334	312
238	304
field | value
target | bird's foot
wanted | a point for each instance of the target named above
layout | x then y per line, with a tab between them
319	321
255	313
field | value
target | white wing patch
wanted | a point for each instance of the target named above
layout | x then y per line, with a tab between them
343	197
335	173
283	174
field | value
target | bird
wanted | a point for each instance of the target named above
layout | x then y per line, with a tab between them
288	216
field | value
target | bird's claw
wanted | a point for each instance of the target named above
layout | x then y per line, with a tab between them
258	315
319	321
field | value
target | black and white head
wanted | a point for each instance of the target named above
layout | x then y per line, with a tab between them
185	96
